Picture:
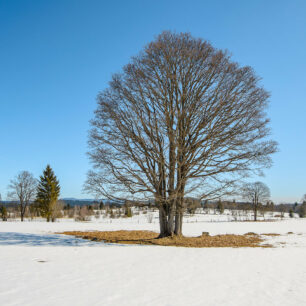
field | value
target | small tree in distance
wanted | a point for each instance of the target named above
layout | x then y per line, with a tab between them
220	207
23	189
302	211
191	205
257	193
3	211
127	210
302	208
48	191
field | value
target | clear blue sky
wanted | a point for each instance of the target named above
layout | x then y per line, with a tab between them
56	55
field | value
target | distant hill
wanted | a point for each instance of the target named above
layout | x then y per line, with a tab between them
76	199
81	202
70	201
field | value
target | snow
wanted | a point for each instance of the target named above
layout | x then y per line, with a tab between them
39	267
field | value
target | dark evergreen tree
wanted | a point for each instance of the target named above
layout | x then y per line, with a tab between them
302	210
220	207
295	206
128	212
48	191
3	213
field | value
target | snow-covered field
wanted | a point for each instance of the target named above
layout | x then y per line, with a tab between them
38	267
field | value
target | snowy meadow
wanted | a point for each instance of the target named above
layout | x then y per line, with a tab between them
40	267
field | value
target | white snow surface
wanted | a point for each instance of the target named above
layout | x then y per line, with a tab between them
39	267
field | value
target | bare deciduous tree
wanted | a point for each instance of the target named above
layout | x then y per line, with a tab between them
83	214
181	119
150	217
23	189
57	210
191	205
257	193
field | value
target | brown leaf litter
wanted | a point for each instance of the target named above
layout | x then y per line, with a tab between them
151	238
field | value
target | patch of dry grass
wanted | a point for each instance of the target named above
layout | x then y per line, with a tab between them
151	238
271	234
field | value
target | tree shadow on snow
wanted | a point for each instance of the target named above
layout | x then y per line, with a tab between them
13	238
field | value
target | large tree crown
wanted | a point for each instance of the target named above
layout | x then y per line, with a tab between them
183	106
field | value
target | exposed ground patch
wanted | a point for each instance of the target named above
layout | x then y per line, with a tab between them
271	234
151	238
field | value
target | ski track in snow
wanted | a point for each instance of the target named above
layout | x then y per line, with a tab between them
39	267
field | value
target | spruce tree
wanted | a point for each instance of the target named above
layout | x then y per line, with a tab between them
48	191
220	207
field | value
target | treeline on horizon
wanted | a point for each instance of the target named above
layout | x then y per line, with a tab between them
227	204
83	210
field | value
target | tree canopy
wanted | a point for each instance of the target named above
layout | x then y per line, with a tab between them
23	189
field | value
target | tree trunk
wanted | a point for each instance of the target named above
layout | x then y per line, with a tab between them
178	229
162	221
179	204
165	221
22	211
170	221
179	217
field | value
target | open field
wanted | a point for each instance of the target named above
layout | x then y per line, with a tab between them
152	153
39	267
